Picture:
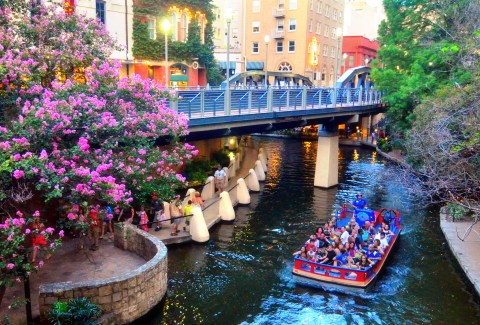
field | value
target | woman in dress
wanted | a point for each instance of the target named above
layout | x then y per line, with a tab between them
38	240
143	218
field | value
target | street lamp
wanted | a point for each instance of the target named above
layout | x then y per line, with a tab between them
339	39
267	40
166	28
228	19
345	56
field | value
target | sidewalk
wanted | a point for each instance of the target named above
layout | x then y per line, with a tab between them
466	252
69	264
210	213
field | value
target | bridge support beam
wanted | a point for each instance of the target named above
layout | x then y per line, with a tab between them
326	168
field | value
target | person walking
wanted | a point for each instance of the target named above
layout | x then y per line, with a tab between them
219	178
107	221
176	211
143	218
156	210
187	211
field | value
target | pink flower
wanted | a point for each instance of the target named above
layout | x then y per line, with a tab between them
27	231
19	213
50	230
17	157
71	216
40	263
61	233
142	152
17	174
43	155
36	213
52	245
10	266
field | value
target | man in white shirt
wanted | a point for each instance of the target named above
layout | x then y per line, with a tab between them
344	236
219	178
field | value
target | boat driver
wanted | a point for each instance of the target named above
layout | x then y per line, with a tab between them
359	202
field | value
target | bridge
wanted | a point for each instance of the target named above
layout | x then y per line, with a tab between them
236	111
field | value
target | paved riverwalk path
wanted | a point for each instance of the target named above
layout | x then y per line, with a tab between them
466	252
210	212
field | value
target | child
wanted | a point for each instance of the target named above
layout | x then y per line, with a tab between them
187	211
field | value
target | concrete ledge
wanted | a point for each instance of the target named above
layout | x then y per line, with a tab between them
126	297
465	252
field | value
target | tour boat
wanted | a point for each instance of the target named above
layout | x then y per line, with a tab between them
327	276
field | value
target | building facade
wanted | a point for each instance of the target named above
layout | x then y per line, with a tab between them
362	18
299	36
358	51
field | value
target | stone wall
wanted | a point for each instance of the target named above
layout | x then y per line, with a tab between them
126	297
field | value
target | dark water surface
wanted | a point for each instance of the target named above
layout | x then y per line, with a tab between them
243	275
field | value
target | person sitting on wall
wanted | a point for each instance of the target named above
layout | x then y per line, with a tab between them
359	202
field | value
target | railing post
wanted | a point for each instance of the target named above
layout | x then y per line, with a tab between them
349	95
202	103
288	99
174	105
320	98
249	100
304	97
269	99
334	101
360	96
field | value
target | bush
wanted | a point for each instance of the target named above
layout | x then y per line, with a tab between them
198	170
221	157
77	311
385	144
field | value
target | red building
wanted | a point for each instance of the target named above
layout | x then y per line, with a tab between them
358	51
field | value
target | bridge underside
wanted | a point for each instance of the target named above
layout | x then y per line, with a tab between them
211	128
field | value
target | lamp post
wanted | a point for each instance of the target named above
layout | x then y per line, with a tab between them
228	19
339	38
166	28
345	56
267	40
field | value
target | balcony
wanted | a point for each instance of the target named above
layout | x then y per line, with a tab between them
277	34
278	12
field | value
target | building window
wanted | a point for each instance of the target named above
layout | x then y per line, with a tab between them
183	27
100	10
151	28
280	23
319	28
311	5
279	46
173	21
325	50
256	6
332	52
293	24
255	27
310	25
319	7
291	46
255	47
285	66
327	10
351	60
281	4
334	16
293	4
326	31
333	34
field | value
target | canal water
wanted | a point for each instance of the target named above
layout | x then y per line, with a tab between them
243	275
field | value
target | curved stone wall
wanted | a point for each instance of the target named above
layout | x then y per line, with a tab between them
126	297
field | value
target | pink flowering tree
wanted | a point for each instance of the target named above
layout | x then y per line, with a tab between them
16	234
72	127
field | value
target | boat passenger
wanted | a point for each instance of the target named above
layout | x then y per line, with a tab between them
323	241
359	202
352	224
386	230
377	246
364	262
326	230
336	242
302	253
312	241
370	229
319	231
383	241
373	254
312	253
365	235
328	259
341	258
345	235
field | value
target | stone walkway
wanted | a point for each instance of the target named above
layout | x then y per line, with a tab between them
210	213
466	252
69	264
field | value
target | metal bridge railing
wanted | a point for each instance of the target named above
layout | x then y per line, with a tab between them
210	103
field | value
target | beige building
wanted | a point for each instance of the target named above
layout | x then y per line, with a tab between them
302	37
362	18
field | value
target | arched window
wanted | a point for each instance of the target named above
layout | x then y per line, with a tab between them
183	27
173	21
285	66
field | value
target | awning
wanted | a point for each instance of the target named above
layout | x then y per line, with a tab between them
223	65
254	65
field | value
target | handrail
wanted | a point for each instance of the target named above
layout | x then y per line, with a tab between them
194	97
221	94
284	93
261	97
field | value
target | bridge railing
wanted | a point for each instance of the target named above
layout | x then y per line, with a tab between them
211	103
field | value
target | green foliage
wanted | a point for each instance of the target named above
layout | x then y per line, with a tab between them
385	144
198	170
148	49
77	311
456	211
221	157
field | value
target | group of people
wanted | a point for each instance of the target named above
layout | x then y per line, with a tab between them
351	246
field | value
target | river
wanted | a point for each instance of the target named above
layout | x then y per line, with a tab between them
243	275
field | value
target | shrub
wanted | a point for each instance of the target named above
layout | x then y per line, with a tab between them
221	157
77	311
385	144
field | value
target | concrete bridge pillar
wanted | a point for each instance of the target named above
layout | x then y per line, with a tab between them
252	181
326	168
209	188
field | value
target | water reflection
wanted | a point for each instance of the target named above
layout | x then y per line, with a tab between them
243	275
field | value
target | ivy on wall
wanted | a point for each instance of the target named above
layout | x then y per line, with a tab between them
145	48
